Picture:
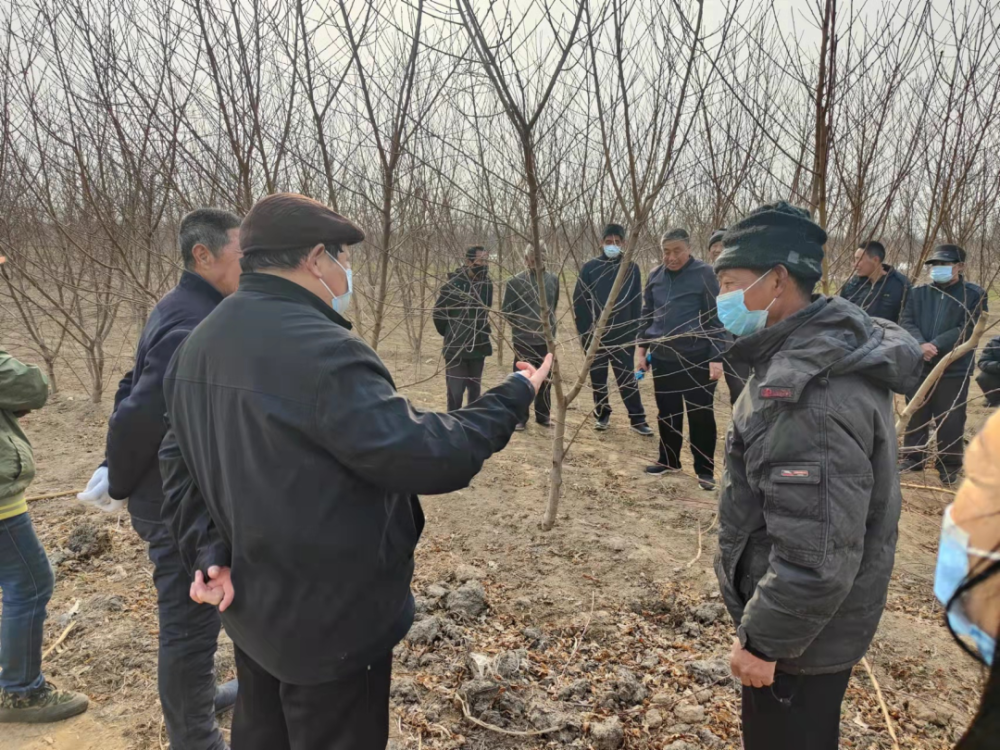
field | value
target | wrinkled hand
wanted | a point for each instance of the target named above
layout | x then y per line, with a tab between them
930	351
97	495
535	375
217	591
641	365
750	670
714	370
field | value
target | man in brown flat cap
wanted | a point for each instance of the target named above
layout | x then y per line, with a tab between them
291	472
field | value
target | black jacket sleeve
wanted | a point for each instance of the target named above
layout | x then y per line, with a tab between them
137	426
949	339
646	313
710	317
908	319
581	304
442	308
377	434
635	294
186	515
989	362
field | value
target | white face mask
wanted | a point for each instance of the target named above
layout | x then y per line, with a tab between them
341	303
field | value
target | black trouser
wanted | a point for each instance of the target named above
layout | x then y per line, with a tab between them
797	712
990	385
622	361
346	714
945	406
189	636
464	375
678	384
737	375
534	354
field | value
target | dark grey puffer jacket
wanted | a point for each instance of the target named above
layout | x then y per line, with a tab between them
810	494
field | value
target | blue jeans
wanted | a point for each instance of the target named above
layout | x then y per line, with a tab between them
26	581
189	636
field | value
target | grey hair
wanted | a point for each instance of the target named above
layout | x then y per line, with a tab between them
205	226
672	235
529	250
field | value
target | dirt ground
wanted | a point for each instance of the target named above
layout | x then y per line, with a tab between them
610	625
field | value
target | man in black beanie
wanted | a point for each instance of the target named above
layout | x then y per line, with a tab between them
291	471
617	349
941	315
810	494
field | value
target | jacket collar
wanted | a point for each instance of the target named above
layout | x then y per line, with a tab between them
192	282
276	286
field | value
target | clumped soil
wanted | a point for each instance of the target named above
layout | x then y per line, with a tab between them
606	632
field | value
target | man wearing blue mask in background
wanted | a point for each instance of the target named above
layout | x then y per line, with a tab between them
940	316
617	349
810	496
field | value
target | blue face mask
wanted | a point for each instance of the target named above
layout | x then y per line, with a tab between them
952	571
941	274
612	251
341	303
735	316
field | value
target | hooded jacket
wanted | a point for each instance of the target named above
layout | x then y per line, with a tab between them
23	388
462	316
810	494
593	287
945	316
883	299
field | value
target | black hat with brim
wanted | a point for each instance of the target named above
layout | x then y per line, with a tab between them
946	254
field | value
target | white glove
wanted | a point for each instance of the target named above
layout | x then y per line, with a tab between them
97	495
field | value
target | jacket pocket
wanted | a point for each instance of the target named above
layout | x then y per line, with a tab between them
796	513
11	461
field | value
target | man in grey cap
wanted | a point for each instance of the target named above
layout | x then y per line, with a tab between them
810	494
291	471
940	315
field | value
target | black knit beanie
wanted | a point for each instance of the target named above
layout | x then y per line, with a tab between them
775	234
616	230
716	236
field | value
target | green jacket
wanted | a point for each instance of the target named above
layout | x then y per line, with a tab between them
22	388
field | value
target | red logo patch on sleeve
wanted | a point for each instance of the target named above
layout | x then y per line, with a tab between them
776	392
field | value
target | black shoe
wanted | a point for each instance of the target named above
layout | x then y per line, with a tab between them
225	695
949	478
642	429
43	706
911	463
706	482
519	427
659	469
544	421
602	423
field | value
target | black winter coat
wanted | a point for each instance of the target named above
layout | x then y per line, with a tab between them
593	287
810	494
462	316
989	361
883	299
679	316
137	427
292	459
945	317
522	306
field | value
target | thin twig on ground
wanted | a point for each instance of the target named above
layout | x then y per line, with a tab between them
501	730
881	703
59	640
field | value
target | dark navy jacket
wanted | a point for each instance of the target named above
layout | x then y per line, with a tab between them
679	317
883	299
945	317
989	362
137	424
593	288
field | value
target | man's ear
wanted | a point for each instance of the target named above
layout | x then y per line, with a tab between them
202	255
